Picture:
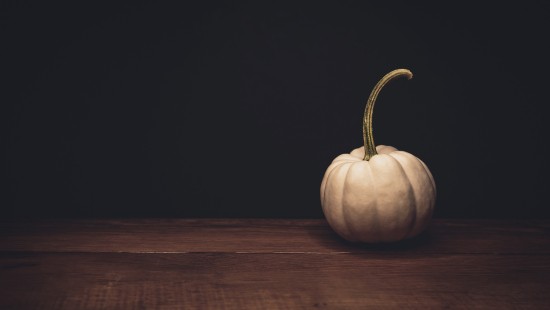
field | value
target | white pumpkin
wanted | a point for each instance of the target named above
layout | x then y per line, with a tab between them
378	194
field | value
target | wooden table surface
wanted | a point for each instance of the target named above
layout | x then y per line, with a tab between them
269	264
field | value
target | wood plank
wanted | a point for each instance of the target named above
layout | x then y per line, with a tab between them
272	281
263	236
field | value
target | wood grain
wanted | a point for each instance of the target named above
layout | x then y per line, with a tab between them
268	281
269	264
263	236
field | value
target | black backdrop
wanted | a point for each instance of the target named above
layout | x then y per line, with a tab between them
236	109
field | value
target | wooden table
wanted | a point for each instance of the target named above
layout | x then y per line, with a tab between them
269	264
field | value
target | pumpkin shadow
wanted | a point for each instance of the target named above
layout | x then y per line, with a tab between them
415	244
328	239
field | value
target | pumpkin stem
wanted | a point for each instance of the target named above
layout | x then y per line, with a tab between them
368	139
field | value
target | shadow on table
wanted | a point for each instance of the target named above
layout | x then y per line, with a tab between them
333	242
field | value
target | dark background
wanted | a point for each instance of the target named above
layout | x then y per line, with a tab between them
217	109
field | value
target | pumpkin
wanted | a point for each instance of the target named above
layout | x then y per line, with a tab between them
378	194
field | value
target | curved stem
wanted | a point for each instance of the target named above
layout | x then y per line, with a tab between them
368	139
